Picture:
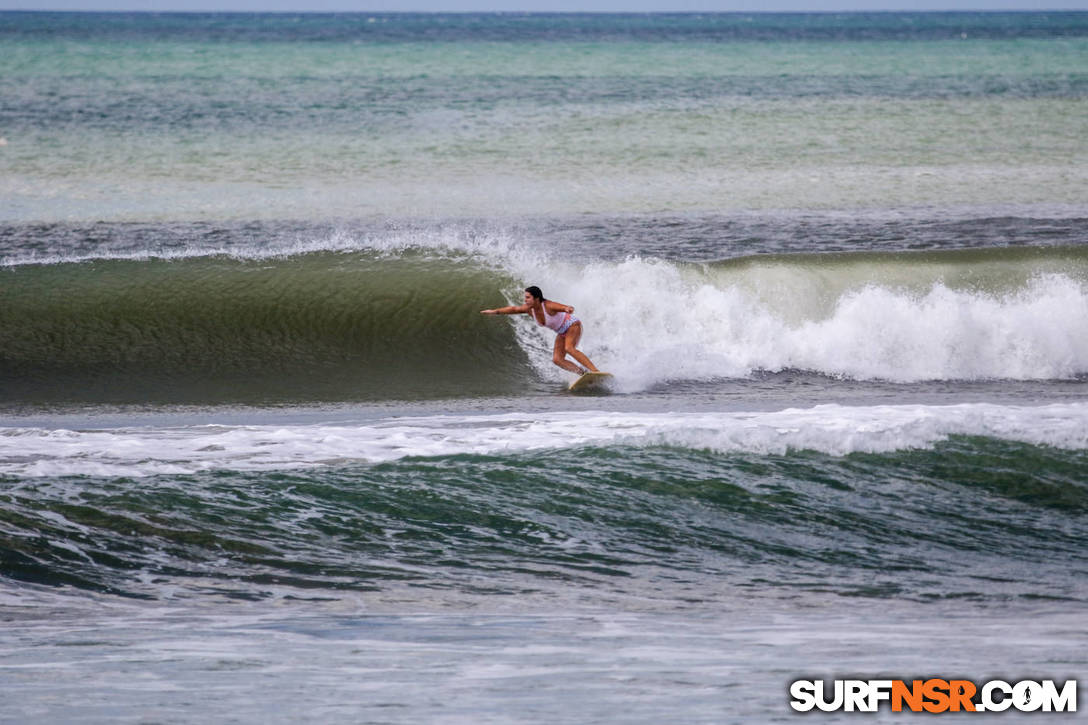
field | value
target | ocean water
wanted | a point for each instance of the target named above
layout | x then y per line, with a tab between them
262	459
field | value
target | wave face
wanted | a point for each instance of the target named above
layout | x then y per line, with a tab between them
400	321
319	326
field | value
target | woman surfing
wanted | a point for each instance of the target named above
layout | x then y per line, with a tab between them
558	317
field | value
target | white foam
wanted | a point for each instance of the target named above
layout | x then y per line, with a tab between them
649	321
832	429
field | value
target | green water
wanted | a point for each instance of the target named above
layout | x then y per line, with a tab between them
262	459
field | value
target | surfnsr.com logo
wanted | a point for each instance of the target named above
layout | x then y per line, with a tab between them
933	695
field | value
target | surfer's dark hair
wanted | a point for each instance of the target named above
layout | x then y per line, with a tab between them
535	292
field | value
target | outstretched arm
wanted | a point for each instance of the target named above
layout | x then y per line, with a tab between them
554	307
511	310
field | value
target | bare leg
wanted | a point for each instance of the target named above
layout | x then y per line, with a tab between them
559	356
571	338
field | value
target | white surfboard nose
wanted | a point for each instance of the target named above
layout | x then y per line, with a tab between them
590	380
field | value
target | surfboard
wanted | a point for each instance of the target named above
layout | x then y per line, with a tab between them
590	381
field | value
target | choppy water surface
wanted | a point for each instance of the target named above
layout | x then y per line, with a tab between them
261	454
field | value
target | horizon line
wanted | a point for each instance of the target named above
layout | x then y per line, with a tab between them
874	11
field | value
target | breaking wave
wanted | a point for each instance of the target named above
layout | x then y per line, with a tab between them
400	319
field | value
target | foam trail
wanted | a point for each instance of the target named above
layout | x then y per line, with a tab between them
831	429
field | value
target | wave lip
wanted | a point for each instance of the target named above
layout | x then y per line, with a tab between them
830	429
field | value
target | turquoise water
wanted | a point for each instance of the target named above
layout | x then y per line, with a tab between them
109	119
262	459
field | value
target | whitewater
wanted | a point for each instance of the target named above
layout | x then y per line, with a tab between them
831	429
382	316
262	459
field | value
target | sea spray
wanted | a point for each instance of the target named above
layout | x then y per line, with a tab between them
900	317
